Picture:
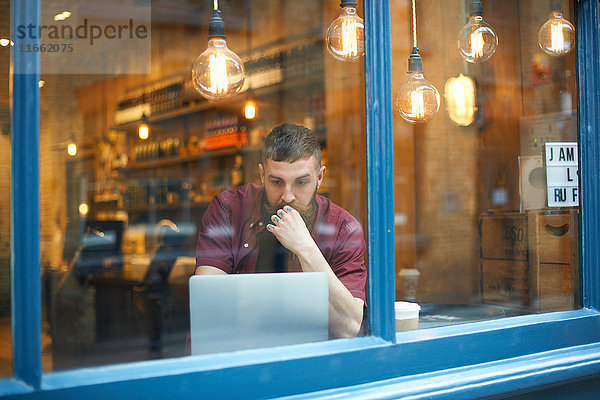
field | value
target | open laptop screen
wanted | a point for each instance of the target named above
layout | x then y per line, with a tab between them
246	311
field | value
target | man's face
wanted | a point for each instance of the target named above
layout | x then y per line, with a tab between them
293	184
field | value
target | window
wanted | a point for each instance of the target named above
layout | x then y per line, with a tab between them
132	160
482	230
424	363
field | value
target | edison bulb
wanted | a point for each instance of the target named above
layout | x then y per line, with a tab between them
218	73
417	101
346	36
477	41
557	36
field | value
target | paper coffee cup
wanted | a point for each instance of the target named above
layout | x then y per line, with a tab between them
409	279
407	315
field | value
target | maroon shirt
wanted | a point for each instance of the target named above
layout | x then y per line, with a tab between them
227	237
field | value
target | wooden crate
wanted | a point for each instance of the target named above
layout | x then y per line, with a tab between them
530	260
505	282
553	260
504	272
503	236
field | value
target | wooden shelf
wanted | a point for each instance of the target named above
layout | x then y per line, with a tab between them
170	161
233	105
163	207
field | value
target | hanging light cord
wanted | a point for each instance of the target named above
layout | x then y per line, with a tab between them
216	4
414	21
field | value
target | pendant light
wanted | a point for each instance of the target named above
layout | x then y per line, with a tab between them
417	101
346	35
218	73
477	41
557	36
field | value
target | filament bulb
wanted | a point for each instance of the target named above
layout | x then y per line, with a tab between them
417	101
346	36
218	72
477	41
557	36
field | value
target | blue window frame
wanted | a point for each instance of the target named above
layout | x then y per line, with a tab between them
472	360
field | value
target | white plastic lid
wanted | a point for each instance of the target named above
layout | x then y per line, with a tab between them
406	310
409	272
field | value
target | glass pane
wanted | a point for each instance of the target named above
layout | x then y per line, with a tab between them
486	191
133	157
5	167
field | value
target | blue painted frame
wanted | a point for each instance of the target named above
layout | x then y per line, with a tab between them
588	76
449	362
25	216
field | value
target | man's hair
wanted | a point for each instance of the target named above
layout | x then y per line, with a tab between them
289	143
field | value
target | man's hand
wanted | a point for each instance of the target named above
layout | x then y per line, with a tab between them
345	311
291	231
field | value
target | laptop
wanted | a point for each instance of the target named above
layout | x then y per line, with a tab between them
248	311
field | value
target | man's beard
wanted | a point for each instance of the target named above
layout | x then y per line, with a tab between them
307	213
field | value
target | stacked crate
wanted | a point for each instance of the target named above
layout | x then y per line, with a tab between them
530	260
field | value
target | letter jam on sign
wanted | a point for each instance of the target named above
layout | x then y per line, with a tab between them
562	174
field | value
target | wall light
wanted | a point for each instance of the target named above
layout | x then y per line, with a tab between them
143	128
62	16
72	149
83	209
250	110
460	96
143	131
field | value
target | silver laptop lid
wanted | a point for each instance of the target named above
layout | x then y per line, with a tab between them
247	311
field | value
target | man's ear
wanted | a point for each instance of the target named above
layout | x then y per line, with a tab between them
321	175
261	171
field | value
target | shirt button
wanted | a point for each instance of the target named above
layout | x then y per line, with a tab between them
260	224
251	225
245	244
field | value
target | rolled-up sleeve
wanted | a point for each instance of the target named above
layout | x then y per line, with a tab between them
348	259
214	246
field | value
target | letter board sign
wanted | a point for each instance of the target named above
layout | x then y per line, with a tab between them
562	174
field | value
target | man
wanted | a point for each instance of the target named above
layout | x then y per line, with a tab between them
284	225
